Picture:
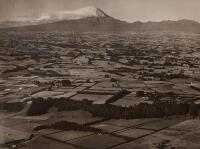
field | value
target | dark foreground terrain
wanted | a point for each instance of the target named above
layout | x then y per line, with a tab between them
69	90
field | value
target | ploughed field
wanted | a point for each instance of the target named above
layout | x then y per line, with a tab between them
99	90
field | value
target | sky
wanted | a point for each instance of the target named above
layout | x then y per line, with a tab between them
126	10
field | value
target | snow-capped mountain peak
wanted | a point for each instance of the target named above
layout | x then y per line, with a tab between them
87	12
73	15
81	13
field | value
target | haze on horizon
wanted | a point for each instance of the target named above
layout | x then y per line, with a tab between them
127	10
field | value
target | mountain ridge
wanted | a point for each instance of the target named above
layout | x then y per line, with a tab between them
94	19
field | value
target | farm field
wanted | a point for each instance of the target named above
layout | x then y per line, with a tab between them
91	90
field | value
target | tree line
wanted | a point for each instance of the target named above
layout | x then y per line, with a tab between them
144	110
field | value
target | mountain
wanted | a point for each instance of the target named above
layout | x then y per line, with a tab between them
94	19
180	25
84	19
55	17
70	15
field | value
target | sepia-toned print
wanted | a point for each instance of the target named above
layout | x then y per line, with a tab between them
99	74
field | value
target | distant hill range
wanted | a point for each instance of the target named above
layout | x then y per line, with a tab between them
93	19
